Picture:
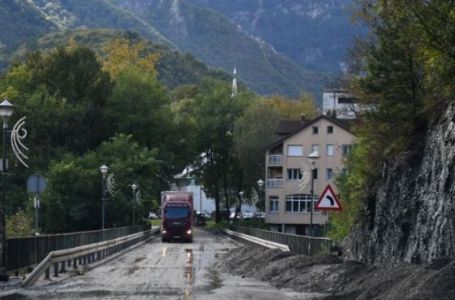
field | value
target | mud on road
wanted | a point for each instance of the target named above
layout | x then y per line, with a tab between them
158	270
338	279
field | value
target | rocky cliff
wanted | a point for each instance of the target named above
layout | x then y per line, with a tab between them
411	217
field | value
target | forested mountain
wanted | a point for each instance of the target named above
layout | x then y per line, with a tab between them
19	22
313	33
222	43
210	30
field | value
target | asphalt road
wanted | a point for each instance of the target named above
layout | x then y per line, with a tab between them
158	270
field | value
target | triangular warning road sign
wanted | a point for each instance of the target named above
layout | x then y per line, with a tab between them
328	200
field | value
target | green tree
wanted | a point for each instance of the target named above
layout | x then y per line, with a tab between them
215	114
253	132
73	199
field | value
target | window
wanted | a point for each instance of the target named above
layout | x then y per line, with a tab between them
315	147
329	150
329	129
294	174
346	100
176	212
273	204
299	203
346	150
295	150
315	173
315	129
329	174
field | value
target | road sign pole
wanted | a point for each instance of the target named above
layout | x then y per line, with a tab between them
37	205
36	184
312	201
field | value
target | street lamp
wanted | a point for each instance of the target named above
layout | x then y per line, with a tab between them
103	170
240	204
312	157
6	110
260	183
134	187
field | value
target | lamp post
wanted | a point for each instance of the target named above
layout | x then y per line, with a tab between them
239	209
6	110
260	183
134	187
103	170
312	157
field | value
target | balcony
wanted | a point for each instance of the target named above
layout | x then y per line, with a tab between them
276	159
275	183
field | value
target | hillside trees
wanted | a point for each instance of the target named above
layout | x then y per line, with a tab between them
402	76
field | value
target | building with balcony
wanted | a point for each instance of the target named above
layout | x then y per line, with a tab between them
288	199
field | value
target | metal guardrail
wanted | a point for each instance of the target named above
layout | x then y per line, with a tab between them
297	243
25	252
256	240
83	255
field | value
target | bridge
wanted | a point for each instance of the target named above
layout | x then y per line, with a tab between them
137	265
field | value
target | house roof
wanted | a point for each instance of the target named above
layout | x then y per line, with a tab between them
291	127
288	126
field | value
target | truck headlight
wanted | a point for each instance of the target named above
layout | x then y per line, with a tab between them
188	231
164	231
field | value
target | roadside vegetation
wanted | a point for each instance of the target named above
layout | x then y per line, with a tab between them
403	74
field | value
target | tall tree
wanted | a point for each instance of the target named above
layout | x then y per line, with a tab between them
254	131
216	113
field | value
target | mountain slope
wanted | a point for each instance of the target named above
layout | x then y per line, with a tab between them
77	14
19	22
313	33
174	68
206	34
221	43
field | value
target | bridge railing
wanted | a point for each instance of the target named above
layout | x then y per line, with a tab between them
28	251
84	256
297	243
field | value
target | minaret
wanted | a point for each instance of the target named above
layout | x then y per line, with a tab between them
234	83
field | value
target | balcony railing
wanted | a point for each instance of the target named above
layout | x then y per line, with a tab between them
274	183
276	159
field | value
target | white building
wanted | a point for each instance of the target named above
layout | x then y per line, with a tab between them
187	183
343	104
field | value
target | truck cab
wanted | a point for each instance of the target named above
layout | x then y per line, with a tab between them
177	216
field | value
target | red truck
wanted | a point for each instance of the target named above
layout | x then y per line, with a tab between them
176	216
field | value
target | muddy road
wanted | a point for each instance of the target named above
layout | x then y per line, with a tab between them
158	270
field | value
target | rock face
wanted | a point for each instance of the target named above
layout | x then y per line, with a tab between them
412	216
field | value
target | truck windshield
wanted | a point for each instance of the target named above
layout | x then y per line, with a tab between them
176	212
